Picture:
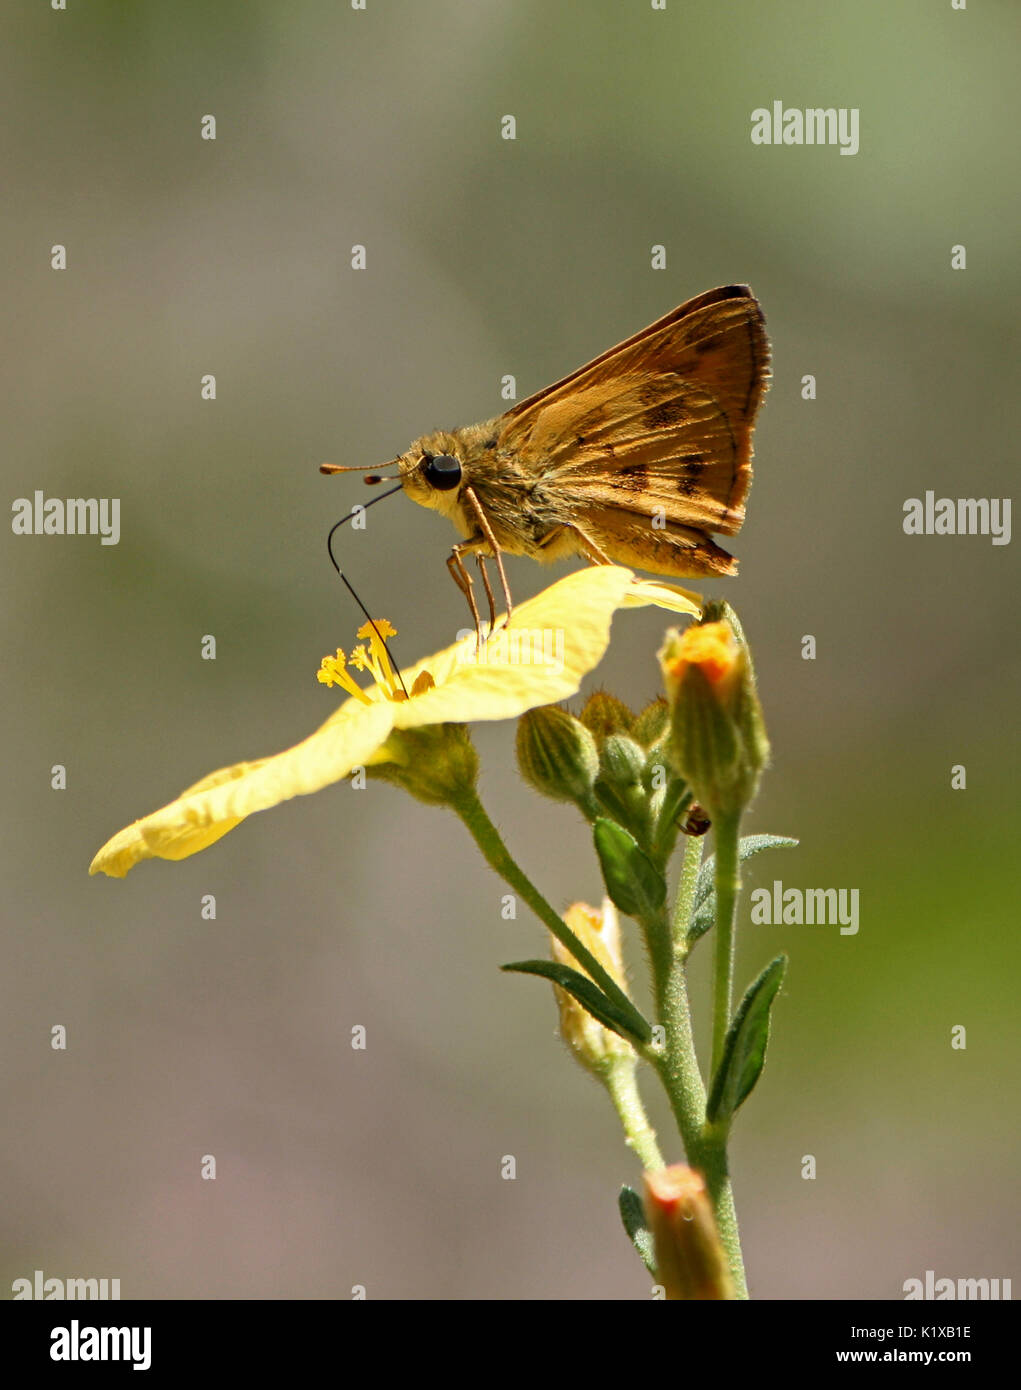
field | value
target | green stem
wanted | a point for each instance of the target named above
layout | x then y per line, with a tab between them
498	857
727	886
621	1083
685	900
677	1066
675	1061
717	1175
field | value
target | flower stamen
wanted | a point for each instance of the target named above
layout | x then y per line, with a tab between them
375	659
332	671
382	669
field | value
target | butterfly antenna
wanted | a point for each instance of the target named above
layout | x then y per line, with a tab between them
347	582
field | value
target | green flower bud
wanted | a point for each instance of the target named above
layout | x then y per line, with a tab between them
719	739
748	712
557	756
621	787
621	762
653	723
604	714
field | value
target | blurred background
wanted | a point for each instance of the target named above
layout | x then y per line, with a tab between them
488	257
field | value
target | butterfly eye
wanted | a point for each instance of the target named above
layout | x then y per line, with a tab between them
443	471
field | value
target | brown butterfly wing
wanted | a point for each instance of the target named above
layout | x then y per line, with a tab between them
684	552
662	420
664	443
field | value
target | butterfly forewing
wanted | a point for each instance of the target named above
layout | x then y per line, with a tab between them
664	420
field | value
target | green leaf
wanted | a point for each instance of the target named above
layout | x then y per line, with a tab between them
632	1213
632	879
747	846
630	1025
704	910
744	1051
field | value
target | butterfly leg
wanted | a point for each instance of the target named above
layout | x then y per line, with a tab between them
487	531
480	560
463	580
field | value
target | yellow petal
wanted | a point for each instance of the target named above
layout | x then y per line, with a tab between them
663	595
206	811
553	641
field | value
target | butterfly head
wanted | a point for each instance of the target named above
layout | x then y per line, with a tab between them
432	472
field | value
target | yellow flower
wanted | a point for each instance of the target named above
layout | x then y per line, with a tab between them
711	647
540	657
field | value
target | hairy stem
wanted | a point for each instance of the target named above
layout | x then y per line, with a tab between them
678	1070
727	887
622	1085
685	900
